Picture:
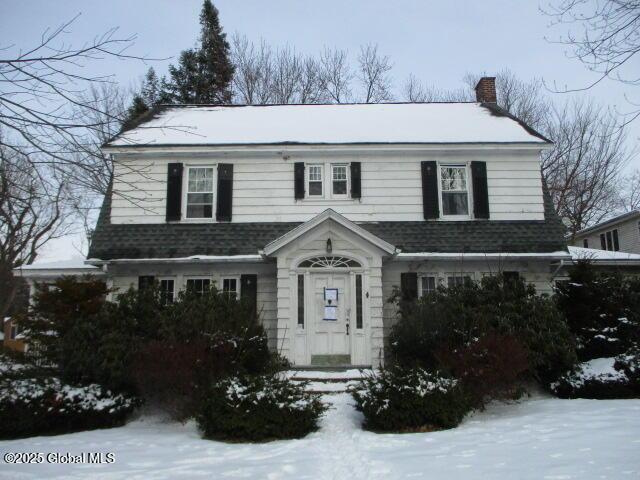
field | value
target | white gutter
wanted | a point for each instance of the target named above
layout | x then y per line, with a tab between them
191	259
479	256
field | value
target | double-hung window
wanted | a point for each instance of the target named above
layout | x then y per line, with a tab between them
427	285
230	286
200	192
610	240
454	189
339	180
167	291
458	279
314	181
199	286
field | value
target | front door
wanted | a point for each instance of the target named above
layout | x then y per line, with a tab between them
331	314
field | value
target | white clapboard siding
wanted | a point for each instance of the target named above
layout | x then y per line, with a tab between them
263	189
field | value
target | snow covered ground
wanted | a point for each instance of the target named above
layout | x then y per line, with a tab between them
540	438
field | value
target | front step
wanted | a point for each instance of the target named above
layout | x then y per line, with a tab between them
329	381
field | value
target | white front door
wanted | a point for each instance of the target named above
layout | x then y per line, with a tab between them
330	327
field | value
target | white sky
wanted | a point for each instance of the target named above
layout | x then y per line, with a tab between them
437	41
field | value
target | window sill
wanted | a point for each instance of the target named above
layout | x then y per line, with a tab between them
325	201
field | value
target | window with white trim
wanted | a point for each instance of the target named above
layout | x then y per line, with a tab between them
339	180
314	181
199	202
427	284
199	286
230	286
458	279
167	290
454	190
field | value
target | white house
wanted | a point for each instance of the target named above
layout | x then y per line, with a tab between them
318	211
617	234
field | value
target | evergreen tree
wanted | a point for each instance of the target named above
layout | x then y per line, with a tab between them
204	74
137	108
150	90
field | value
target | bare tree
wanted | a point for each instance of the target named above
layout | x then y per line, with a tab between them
373	74
582	170
415	91
630	192
253	71
41	93
286	76
32	212
335	75
603	35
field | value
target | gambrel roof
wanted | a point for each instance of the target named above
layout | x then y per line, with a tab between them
338	124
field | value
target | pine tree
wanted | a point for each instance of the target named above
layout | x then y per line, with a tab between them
150	90
137	108
204	74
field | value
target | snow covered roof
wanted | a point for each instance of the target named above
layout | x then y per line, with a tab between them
74	266
603	256
384	123
607	223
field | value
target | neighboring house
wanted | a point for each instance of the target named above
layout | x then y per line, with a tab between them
621	233
603	261
317	212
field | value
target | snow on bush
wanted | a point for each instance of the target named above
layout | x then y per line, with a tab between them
599	378
399	399
258	408
36	406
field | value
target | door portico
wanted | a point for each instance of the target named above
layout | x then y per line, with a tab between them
329	293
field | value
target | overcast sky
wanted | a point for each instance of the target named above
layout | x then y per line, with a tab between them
437	41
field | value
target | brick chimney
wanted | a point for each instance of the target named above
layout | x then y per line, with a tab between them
486	90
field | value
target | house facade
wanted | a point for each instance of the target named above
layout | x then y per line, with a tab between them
317	213
618	234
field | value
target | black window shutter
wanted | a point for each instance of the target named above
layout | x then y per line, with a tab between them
480	190
249	290
355	180
298	180
430	190
174	192
225	192
145	281
409	285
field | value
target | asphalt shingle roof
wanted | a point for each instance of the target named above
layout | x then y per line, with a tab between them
173	240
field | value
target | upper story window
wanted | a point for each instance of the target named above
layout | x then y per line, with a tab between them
200	192
339	180
454	190
314	181
610	241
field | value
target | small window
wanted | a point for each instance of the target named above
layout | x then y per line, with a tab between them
427	285
230	286
315	181
15	330
339	179
616	242
585	243
359	302
301	300
198	285
603	242
167	291
200	192
510	278
455	196
458	280
609	241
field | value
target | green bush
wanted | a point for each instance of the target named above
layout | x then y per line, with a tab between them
258	408
45	406
410	399
591	380
602	310
455	318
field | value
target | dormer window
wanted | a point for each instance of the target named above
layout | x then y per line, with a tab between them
454	190
200	192
314	181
